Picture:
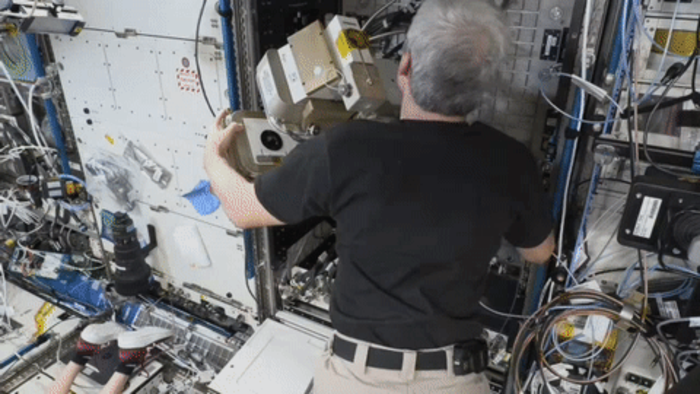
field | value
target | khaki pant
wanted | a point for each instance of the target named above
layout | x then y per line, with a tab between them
337	376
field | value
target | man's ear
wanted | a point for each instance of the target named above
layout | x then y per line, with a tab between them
403	77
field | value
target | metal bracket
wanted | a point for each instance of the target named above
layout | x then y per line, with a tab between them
234	233
46	86
209	41
159	209
126	33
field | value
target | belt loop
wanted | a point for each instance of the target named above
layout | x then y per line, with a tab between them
408	370
360	362
450	354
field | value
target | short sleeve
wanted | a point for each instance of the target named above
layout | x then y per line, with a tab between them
300	188
531	213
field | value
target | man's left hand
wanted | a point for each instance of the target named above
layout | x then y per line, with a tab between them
237	194
219	142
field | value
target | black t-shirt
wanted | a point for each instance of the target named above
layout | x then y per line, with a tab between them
420	208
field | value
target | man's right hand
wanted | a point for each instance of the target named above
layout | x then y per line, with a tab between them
539	254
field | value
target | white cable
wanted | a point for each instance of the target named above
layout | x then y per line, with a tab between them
599	93
31	13
27	108
593	354
388	34
38	137
560	246
584	45
657	77
376	14
38	134
506	315
584	39
342	81
566	114
608	215
544	292
565	198
14	86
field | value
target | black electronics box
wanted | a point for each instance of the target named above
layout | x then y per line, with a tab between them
652	215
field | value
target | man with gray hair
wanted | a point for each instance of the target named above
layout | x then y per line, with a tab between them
421	207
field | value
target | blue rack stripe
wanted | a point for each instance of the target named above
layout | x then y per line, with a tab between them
225	11
230	52
50	108
696	162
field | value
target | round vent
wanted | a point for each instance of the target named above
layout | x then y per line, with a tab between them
686	228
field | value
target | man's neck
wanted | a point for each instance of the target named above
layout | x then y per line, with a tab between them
411	111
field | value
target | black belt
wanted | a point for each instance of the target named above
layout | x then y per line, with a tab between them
469	357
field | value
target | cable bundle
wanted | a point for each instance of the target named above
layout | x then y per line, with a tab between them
539	331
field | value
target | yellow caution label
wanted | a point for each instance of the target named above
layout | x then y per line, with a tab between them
109	139
350	40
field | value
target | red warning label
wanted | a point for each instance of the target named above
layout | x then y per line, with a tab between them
188	80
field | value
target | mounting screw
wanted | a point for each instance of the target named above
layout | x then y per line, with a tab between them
628	231
345	90
639	196
229	295
609	79
680	201
556	13
676	251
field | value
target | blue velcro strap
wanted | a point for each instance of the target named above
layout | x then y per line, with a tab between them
696	162
202	199
107	223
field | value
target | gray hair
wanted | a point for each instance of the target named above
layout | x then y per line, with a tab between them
456	47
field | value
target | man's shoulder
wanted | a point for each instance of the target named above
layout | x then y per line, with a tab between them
499	138
355	131
354	126
361	130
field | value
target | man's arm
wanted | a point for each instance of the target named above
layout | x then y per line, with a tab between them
237	195
539	254
531	229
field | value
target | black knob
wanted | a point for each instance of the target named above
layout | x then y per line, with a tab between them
271	140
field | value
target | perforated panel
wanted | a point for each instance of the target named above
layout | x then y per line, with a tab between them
516	107
168	19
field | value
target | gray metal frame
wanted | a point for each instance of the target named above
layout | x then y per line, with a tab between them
244	22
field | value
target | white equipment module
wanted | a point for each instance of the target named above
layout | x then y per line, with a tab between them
289	352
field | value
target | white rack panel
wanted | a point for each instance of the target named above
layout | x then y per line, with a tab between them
169	19
135	88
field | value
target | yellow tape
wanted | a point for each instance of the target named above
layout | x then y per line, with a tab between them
566	330
42	317
683	43
351	39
